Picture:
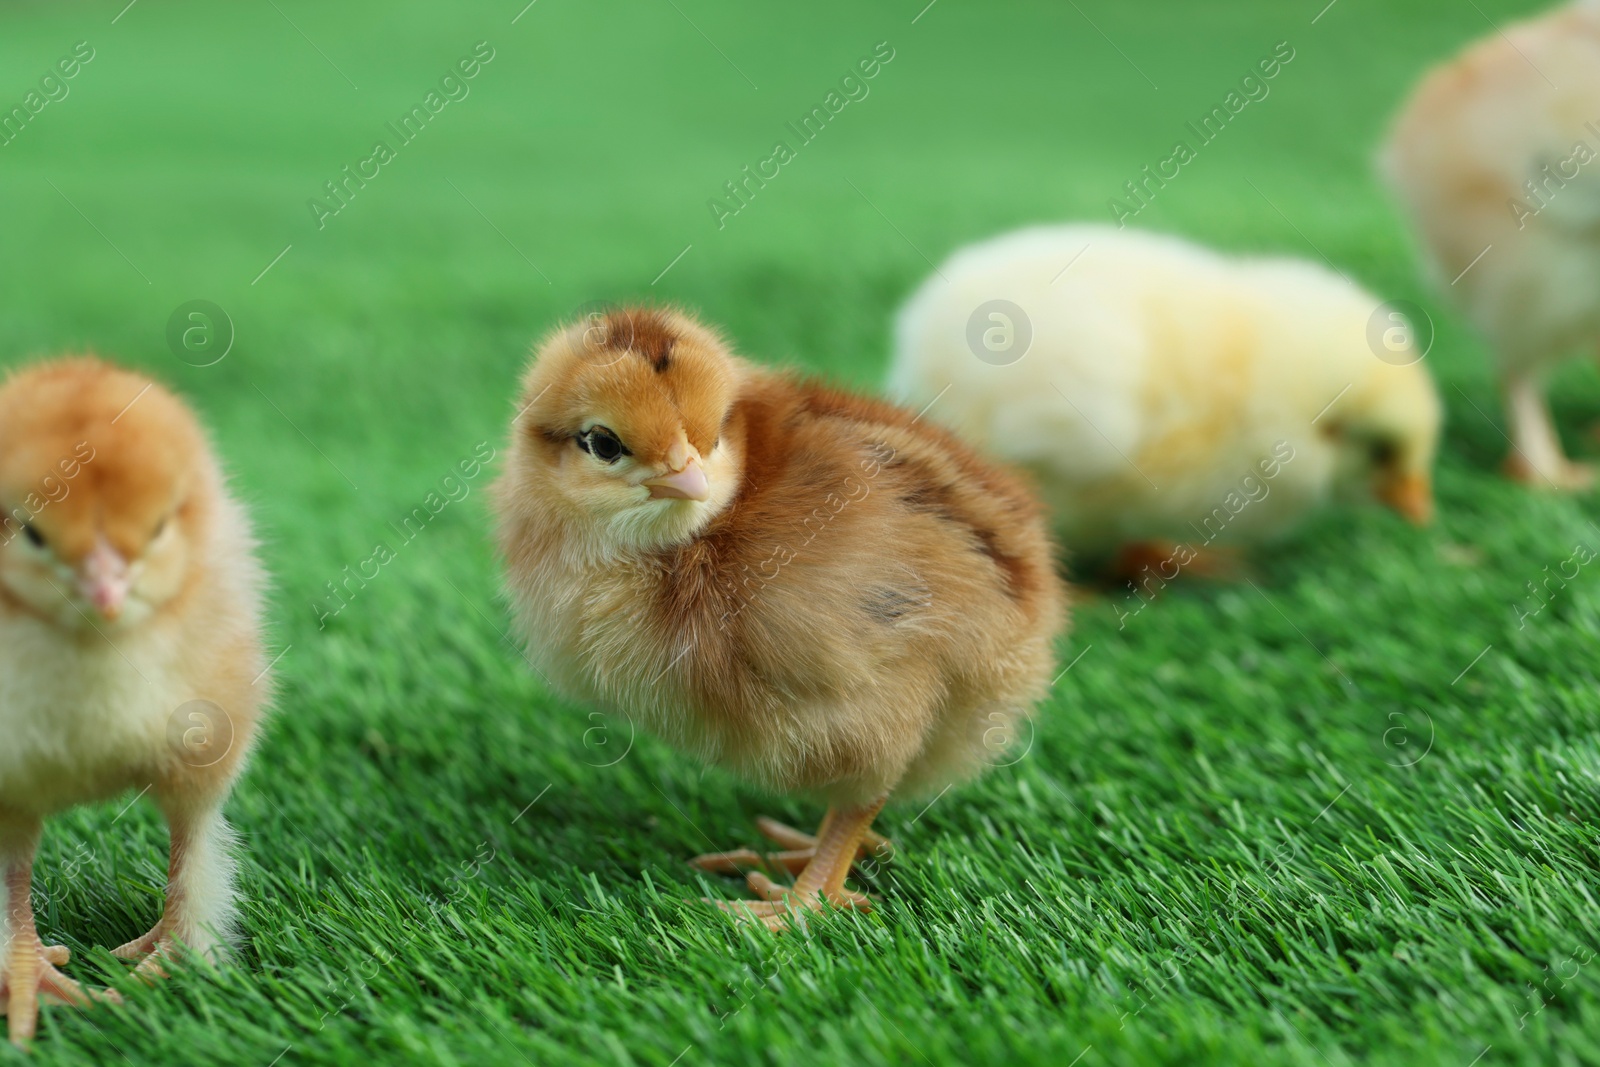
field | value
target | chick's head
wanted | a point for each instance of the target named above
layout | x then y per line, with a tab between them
103	494
622	429
1386	431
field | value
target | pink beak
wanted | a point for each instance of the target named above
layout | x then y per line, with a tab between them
687	484
103	580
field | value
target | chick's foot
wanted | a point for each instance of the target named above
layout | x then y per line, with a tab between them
31	977
765	888
1537	459
28	971
825	862
187	920
148	951
1152	564
873	844
1562	475
799	848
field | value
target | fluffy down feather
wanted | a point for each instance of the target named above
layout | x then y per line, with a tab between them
1495	159
1165	384
848	601
128	589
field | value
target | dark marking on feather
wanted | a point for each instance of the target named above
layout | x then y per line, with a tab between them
889	606
931	496
1010	566
643	331
932	499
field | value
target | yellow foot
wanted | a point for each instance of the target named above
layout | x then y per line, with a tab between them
148	951
31	977
1138	562
798	849
778	911
1567	476
823	863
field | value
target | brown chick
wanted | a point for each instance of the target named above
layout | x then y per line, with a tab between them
130	649
821	593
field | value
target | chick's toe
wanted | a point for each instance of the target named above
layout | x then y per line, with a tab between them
837	846
799	849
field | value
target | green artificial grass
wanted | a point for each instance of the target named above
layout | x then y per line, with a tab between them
1343	812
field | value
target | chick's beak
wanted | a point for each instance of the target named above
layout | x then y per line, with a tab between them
103	580
1409	494
687	483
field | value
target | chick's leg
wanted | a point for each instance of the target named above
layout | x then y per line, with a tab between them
198	910
28	968
1536	457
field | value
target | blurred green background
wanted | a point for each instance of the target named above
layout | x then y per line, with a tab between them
1289	822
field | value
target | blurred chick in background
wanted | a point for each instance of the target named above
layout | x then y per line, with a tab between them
1496	159
128	591
818	592
1160	392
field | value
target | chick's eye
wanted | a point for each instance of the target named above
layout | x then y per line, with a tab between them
31	532
1383	453
602	444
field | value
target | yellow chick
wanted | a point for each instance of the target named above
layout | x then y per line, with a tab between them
1163	394
130	649
1496	160
821	593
